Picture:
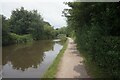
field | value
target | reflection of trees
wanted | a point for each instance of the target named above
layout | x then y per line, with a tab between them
25	57
60	42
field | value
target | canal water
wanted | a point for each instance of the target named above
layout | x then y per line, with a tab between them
29	60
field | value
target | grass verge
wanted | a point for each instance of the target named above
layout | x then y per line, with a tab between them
52	70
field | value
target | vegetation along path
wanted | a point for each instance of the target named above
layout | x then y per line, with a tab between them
71	65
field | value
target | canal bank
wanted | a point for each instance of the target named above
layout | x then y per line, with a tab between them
52	70
68	64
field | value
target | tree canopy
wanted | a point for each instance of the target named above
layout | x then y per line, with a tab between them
23	24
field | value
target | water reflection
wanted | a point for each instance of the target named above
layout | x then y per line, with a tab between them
24	56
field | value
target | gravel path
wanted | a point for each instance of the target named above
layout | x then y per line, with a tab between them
71	65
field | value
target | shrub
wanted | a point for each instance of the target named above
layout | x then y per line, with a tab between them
21	38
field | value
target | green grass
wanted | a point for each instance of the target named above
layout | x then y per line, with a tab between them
52	70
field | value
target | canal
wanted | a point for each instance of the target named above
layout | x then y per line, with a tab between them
29	60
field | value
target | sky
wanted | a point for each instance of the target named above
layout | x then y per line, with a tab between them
51	10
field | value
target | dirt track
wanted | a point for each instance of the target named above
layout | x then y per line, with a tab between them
71	65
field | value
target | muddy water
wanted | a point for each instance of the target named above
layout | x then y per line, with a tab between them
29	60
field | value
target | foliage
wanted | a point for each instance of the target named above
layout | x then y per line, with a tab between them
20	21
62	30
48	31
21	38
97	31
24	23
6	38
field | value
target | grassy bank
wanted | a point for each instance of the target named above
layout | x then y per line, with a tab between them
52	70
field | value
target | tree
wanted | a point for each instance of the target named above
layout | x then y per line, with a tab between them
20	21
49	32
27	22
6	37
24	26
97	31
36	26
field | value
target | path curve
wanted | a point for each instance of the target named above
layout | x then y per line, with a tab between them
71	65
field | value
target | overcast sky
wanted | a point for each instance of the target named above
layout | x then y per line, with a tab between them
51	10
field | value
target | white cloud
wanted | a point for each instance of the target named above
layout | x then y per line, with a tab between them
51	10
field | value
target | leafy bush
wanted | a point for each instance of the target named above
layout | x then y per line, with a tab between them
97	31
7	40
21	38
